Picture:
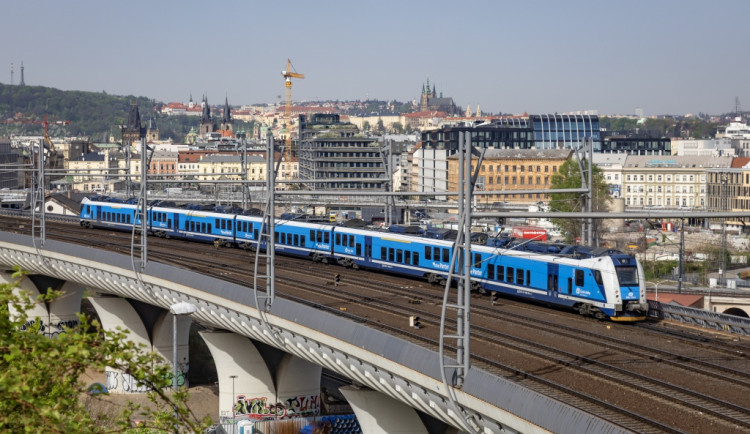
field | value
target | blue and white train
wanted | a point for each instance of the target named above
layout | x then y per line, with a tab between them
601	283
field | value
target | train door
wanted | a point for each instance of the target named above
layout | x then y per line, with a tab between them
553	275
368	248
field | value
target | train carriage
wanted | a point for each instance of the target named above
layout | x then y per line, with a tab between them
605	286
297	238
111	215
247	232
597	282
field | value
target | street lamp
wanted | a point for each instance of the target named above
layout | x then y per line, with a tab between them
182	308
233	377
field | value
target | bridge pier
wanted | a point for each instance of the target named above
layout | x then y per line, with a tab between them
381	414
118	312
56	316
248	388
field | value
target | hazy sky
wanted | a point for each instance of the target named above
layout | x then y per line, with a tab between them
664	56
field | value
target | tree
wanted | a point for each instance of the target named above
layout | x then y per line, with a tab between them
569	176
398	128
40	385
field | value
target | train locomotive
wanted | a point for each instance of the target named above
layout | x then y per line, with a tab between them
606	284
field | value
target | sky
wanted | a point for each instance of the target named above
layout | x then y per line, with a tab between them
662	56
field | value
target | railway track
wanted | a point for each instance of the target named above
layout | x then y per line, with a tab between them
385	302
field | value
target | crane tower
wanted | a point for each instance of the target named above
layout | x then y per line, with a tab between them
288	75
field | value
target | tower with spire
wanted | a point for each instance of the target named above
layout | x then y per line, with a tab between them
429	101
207	123
133	131
226	118
22	82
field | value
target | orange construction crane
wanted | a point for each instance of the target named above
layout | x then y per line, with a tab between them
288	76
44	123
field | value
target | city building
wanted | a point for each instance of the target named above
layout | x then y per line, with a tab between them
703	147
338	154
636	145
512	169
668	182
91	172
11	160
429	101
565	131
611	166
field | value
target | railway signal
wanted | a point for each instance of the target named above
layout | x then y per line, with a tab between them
414	322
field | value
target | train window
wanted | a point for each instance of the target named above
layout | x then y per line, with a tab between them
359	249
382	253
327	237
428	253
436	253
302	239
312	234
229	225
391	255
477	260
579	277
255	234
500	273
528	278
598	277
491	272
128	218
519	276
277	237
320	236
407	257
296	240
338	239
509	274
399	255
415	258
446	255
570	285
351	240
218	223
368	251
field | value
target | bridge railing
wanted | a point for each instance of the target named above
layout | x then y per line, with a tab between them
699	317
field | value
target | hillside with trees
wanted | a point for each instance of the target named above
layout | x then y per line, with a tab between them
90	114
96	115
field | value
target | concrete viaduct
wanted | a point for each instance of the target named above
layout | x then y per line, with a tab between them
393	379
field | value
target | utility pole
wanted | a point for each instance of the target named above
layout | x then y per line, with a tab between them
681	264
723	261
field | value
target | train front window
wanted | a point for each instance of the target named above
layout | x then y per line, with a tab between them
627	276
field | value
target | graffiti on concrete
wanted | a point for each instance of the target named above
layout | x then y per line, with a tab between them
52	330
124	383
259	408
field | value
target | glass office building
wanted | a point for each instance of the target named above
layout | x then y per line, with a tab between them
564	131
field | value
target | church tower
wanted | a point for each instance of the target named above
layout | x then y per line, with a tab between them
132	132
226	118
207	124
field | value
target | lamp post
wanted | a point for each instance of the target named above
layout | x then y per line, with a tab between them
182	308
233	421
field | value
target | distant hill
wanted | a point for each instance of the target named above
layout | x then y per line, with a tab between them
92	114
96	115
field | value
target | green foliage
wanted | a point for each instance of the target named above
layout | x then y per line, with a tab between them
569	176
90	113
40	378
662	127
